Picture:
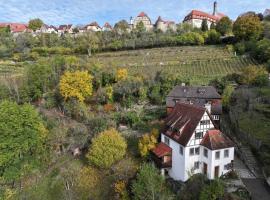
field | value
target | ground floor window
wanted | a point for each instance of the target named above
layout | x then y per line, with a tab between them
196	165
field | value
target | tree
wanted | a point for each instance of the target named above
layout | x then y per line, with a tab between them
148	142
213	191
35	24
121	26
212	37
224	26
76	85
227	94
140	27
121	74
212	26
107	148
204	26
254	75
150	185
247	27
22	136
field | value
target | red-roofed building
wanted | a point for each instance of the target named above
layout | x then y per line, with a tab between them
16	27
165	25
142	17
65	28
196	146
94	26
196	17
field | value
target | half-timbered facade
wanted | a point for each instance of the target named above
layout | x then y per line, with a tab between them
194	145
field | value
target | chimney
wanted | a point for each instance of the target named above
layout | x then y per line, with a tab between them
215	8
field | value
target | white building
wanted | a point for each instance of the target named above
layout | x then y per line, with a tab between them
196	17
165	25
65	29
107	27
142	17
190	144
47	29
93	27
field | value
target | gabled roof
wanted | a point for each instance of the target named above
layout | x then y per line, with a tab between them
15	27
215	139
163	21
182	122
200	92
142	14
107	25
162	150
65	27
93	24
197	14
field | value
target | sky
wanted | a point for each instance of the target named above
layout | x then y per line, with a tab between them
79	12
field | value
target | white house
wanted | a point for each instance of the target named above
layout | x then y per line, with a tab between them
196	17
65	29
142	17
190	144
47	29
93	27
107	27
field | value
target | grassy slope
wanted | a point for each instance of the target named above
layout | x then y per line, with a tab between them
198	63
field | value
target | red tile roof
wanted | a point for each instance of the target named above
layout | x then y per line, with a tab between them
142	14
182	122
162	150
197	14
215	139
15	27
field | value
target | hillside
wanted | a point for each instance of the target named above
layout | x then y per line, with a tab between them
200	64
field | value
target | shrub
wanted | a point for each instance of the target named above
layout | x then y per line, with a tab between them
191	38
213	191
107	148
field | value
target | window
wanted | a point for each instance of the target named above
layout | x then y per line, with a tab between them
196	165
205	153
191	151
198	135
167	140
204	122
226	153
181	150
217	155
228	166
197	151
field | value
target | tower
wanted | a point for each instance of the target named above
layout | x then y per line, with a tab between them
215	8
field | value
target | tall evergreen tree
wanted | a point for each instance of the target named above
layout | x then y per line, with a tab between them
204	26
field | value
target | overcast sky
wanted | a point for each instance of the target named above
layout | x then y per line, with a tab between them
57	12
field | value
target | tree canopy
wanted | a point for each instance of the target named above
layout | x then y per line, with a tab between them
76	85
224	26
107	148
35	24
247	27
204	26
22	135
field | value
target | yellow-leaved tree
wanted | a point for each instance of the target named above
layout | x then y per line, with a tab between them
76	85
148	142
121	74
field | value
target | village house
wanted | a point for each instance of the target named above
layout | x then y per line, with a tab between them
94	26
191	144
266	13
205	96
16	28
65	29
196	17
107	27
47	29
142	17
165	25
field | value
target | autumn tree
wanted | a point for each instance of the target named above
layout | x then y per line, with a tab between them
121	74
227	94
140	28
107	148
76	85
148	142
224	26
150	185
35	24
121	26
22	136
254	75
247	27
204	26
